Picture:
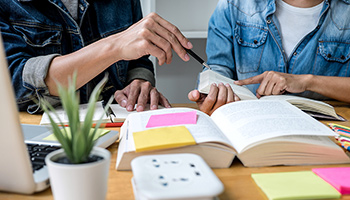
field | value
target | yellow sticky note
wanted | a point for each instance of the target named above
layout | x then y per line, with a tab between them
100	132
162	138
295	185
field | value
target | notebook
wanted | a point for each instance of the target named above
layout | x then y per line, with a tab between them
16	172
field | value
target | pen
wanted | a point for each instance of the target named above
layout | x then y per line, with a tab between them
195	56
105	125
109	111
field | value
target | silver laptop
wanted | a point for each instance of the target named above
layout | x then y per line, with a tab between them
17	173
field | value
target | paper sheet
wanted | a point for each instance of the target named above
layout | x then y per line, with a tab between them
100	132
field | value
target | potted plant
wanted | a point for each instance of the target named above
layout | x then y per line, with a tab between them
78	170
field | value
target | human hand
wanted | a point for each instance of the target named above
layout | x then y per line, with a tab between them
218	95
273	83
140	92
152	36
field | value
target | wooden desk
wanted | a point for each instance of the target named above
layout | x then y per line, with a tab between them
236	179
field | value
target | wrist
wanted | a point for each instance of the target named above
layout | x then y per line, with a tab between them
111	49
309	82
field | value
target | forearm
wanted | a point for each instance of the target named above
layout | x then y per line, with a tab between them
88	62
334	87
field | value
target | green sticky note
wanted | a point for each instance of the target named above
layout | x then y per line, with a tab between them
100	132
162	138
295	185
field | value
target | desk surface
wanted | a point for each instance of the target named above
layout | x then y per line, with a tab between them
236	179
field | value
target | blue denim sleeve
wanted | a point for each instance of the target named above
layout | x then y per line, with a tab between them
220	41
27	71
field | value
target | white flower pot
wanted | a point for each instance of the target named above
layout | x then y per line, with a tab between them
86	181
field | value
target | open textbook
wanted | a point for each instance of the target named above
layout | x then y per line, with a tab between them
259	133
120	114
317	109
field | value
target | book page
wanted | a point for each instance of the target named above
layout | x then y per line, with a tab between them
306	104
99	111
209	77
307	139
204	130
251	121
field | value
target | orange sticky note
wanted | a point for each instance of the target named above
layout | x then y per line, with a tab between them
162	138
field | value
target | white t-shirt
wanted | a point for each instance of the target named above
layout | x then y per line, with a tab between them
295	23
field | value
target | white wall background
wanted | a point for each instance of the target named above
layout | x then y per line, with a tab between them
178	78
191	17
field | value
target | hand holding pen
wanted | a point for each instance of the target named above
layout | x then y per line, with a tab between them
195	56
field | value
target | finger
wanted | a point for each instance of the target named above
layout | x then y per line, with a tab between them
236	98
173	41
210	100
264	83
278	89
193	95
280	85
156	45
222	96
276	84
269	88
258	95
158	35
252	80
133	95
164	101
121	98
174	30
154	99
167	41
143	96
230	94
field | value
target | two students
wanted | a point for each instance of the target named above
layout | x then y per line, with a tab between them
273	46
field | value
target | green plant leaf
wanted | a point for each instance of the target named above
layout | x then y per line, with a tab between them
79	143
98	124
59	133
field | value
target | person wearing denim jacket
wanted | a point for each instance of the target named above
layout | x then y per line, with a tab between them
47	40
245	43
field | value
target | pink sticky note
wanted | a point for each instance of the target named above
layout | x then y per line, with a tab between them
338	177
172	119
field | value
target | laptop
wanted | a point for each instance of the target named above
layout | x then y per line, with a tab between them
19	171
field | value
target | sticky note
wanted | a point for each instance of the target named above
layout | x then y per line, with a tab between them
338	177
172	119
294	185
100	132
162	138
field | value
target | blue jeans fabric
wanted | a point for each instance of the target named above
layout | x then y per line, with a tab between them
244	41
34	28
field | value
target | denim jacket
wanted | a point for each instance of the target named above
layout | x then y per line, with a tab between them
244	41
35	31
